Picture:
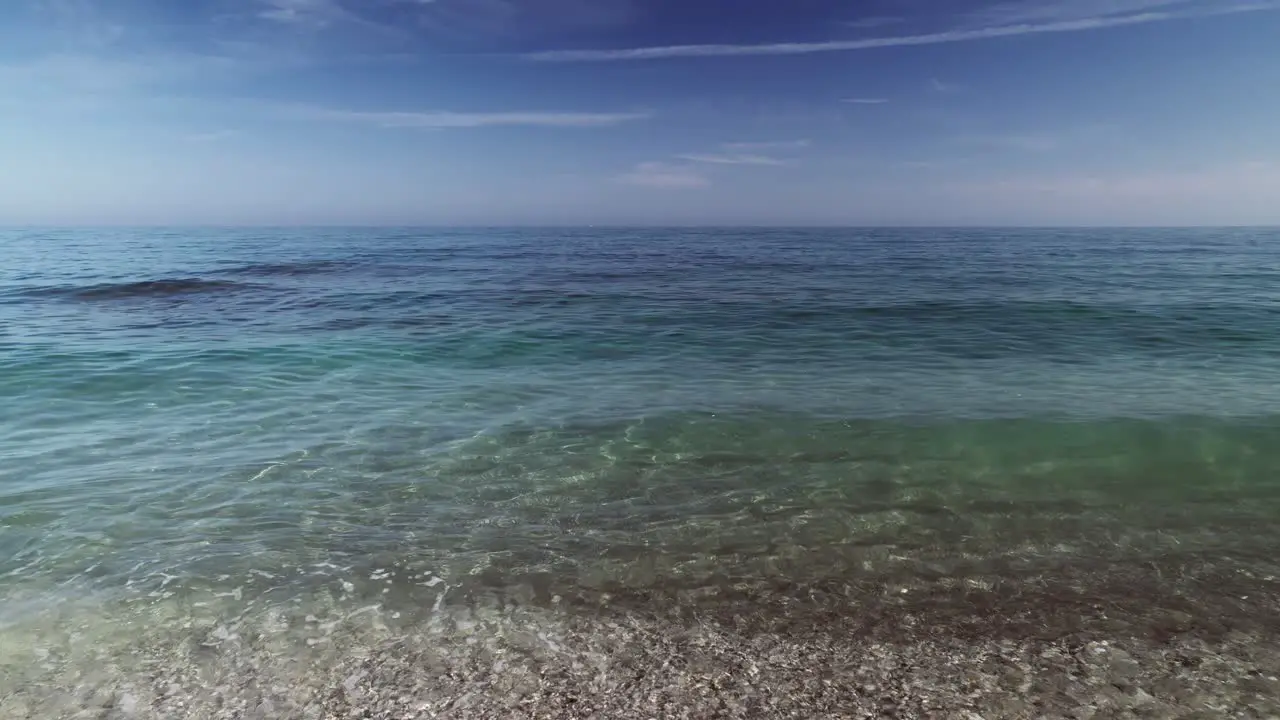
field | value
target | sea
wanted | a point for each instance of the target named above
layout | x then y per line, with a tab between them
271	453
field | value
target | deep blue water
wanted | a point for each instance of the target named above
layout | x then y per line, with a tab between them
214	418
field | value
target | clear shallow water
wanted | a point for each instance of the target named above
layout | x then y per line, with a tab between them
203	430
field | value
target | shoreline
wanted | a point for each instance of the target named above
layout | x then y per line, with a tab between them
1191	638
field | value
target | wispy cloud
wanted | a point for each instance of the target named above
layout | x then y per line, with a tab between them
746	153
688	172
319	15
919	164
664	175
946	88
308	13
451	119
939	164
1014	12
731	159
767	145
212	136
948	36
865	101
1024	143
875	22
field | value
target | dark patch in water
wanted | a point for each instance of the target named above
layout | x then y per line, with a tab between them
401	323
143	290
295	269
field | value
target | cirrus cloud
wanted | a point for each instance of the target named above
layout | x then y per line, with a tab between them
664	175
454	119
955	35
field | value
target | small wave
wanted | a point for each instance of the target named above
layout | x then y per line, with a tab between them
144	289
289	269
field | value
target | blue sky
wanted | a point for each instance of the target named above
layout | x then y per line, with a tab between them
882	112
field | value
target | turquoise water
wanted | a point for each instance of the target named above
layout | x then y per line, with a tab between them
204	431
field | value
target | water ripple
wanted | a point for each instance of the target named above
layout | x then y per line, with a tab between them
273	412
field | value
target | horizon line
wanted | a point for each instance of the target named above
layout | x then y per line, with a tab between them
635	226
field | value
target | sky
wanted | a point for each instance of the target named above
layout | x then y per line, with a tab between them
640	112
